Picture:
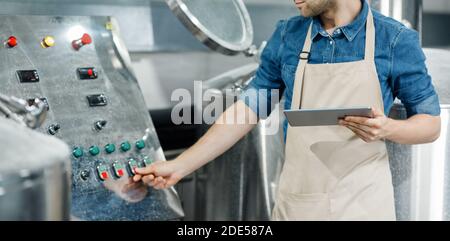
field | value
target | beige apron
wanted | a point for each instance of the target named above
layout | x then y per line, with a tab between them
330	173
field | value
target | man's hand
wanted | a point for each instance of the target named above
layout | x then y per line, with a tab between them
161	175
128	190
370	129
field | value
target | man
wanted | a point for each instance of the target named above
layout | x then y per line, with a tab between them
339	53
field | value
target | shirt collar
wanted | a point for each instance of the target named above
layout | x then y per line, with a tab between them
350	31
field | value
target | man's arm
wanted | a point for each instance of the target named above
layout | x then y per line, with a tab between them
222	136
418	129
226	132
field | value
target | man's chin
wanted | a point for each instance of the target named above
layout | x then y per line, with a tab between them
305	13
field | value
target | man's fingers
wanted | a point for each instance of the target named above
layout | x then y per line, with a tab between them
137	178
148	179
361	134
366	129
358	120
158	183
146	170
161	184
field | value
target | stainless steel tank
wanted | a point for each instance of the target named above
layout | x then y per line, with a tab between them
240	184
421	173
409	12
34	175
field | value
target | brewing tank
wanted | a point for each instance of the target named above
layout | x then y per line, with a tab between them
421	173
34	175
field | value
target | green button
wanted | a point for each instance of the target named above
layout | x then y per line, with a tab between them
147	161
132	164
125	146
94	150
77	152
140	144
110	148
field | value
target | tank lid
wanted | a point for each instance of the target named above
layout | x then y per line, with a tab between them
222	25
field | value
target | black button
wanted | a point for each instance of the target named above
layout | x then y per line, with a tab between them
97	100
28	76
87	73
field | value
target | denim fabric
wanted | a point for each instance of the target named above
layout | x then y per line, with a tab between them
399	60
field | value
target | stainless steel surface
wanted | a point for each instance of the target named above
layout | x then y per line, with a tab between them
125	111
34	175
409	12
240	185
421	173
222	25
231	77
19	110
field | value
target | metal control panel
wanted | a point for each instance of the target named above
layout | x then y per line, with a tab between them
79	67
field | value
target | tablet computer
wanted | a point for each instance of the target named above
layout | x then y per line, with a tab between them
324	117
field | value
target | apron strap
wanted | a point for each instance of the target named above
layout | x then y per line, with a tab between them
300	73
304	56
370	38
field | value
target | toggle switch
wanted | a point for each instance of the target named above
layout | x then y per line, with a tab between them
102	171
100	125
85	174
11	42
53	129
48	42
79	43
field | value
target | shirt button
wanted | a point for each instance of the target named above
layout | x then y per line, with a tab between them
338	31
331	42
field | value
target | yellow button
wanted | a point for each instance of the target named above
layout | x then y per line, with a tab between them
48	42
109	26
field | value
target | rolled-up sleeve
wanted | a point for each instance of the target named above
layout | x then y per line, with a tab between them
258	93
411	82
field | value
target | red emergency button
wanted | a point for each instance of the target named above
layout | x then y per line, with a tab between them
11	42
85	40
90	72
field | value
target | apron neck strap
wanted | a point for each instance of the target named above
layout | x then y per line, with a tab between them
304	56
370	40
370	37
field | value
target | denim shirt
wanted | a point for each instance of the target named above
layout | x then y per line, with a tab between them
399	59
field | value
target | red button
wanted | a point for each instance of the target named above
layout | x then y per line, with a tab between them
12	42
86	39
90	72
120	172
104	175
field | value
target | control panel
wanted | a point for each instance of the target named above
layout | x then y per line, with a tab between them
80	69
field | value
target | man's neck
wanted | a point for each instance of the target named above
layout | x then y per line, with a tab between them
340	13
